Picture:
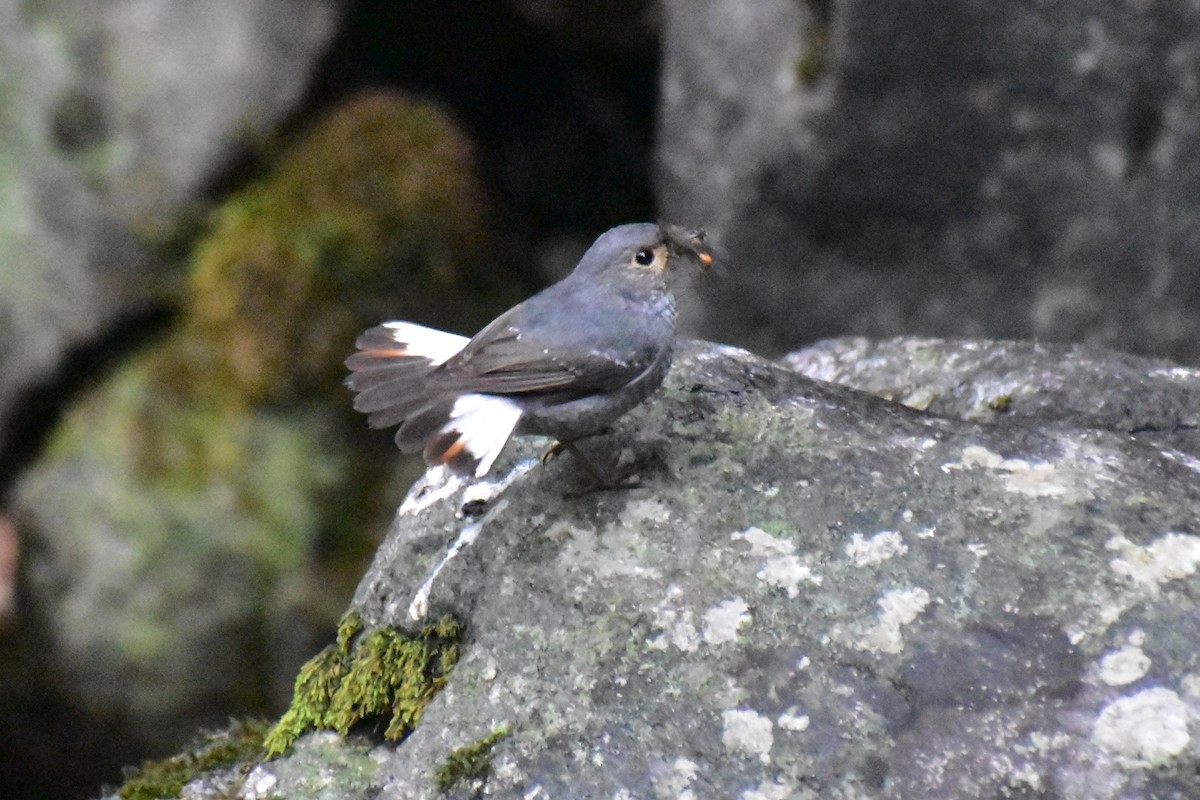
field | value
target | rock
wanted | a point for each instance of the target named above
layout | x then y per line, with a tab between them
203	510
150	101
958	169
813	592
991	382
116	118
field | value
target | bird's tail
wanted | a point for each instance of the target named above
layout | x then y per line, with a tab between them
389	373
470	435
389	370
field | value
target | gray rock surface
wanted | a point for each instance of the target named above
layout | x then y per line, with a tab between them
114	118
955	169
813	592
991	381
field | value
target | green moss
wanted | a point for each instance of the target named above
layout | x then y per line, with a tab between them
1001	404
777	527
378	206
156	779
469	764
378	675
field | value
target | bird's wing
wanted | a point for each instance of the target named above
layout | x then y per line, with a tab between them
501	360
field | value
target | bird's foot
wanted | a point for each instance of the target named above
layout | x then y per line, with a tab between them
602	480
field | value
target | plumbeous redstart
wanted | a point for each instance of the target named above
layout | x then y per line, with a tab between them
565	363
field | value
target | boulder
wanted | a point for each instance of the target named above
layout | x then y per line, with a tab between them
810	592
116	118
201	514
955	169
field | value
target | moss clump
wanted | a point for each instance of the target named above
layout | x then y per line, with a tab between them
373	214
380	674
1001	404
470	764
243	742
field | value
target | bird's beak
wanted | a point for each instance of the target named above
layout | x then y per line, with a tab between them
689	243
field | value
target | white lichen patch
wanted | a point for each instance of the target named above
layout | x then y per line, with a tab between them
746	731
1028	477
1043	743
720	351
677	625
783	569
1190	684
1170	556
674	784
793	720
640	511
775	790
897	608
787	573
260	784
507	772
1124	666
618	551
762	543
879	548
1144	729
722	621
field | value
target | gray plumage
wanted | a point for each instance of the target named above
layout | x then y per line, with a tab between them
565	363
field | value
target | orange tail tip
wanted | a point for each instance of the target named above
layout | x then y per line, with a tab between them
406	340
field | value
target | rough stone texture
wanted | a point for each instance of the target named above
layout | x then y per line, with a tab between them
202	514
951	168
988	382
114	117
813	593
152	98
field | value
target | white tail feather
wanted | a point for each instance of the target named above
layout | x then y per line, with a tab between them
437	346
484	424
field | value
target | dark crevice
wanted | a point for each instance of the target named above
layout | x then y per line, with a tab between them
564	125
1144	125
1162	429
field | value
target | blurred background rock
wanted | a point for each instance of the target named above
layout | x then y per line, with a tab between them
202	203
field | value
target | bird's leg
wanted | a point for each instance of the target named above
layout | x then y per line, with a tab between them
553	452
603	481
558	447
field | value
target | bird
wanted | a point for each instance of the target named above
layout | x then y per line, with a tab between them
565	363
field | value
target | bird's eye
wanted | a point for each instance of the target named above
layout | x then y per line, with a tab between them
644	257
